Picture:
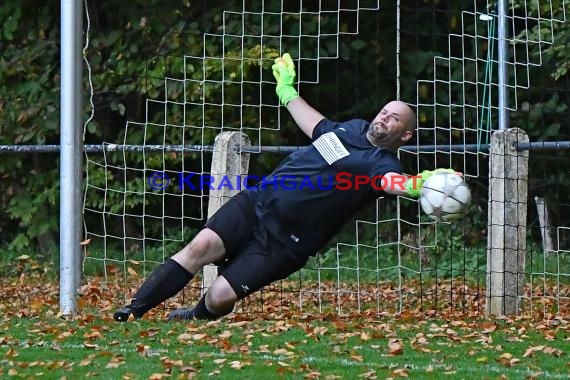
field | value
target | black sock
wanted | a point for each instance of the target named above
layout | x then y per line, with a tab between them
165	281
200	311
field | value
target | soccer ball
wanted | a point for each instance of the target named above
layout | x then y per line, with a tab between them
445	196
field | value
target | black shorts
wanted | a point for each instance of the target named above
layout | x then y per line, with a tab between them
254	258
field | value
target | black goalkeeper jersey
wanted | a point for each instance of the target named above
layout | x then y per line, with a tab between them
312	192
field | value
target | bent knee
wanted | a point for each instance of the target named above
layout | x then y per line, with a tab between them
207	241
206	247
221	298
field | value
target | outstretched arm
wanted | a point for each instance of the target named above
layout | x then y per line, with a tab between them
304	115
396	184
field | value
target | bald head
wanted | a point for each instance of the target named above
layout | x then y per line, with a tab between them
406	113
393	126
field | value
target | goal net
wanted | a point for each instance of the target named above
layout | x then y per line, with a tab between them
144	199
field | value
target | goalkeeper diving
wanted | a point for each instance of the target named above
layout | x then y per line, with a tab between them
267	232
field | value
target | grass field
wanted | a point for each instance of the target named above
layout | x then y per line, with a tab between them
36	343
304	347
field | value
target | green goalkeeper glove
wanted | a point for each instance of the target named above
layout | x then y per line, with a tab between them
284	73
414	184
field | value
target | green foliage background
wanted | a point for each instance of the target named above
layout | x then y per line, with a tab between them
134	45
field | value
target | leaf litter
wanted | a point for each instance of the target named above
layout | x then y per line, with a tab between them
366	344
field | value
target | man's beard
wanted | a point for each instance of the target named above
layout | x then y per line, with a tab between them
378	136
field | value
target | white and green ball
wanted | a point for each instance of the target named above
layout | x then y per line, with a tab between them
445	196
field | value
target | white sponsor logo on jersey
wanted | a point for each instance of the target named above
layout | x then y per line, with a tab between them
330	147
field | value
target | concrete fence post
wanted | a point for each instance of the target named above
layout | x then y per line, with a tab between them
226	161
507	214
544	223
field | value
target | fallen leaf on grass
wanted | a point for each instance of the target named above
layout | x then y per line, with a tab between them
11	353
282	351
236	364
185	337
142	349
554	351
369	375
55	347
158	376
199	336
358	358
90	335
488	327
395	347
507	359
399	372
531	350
549	335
